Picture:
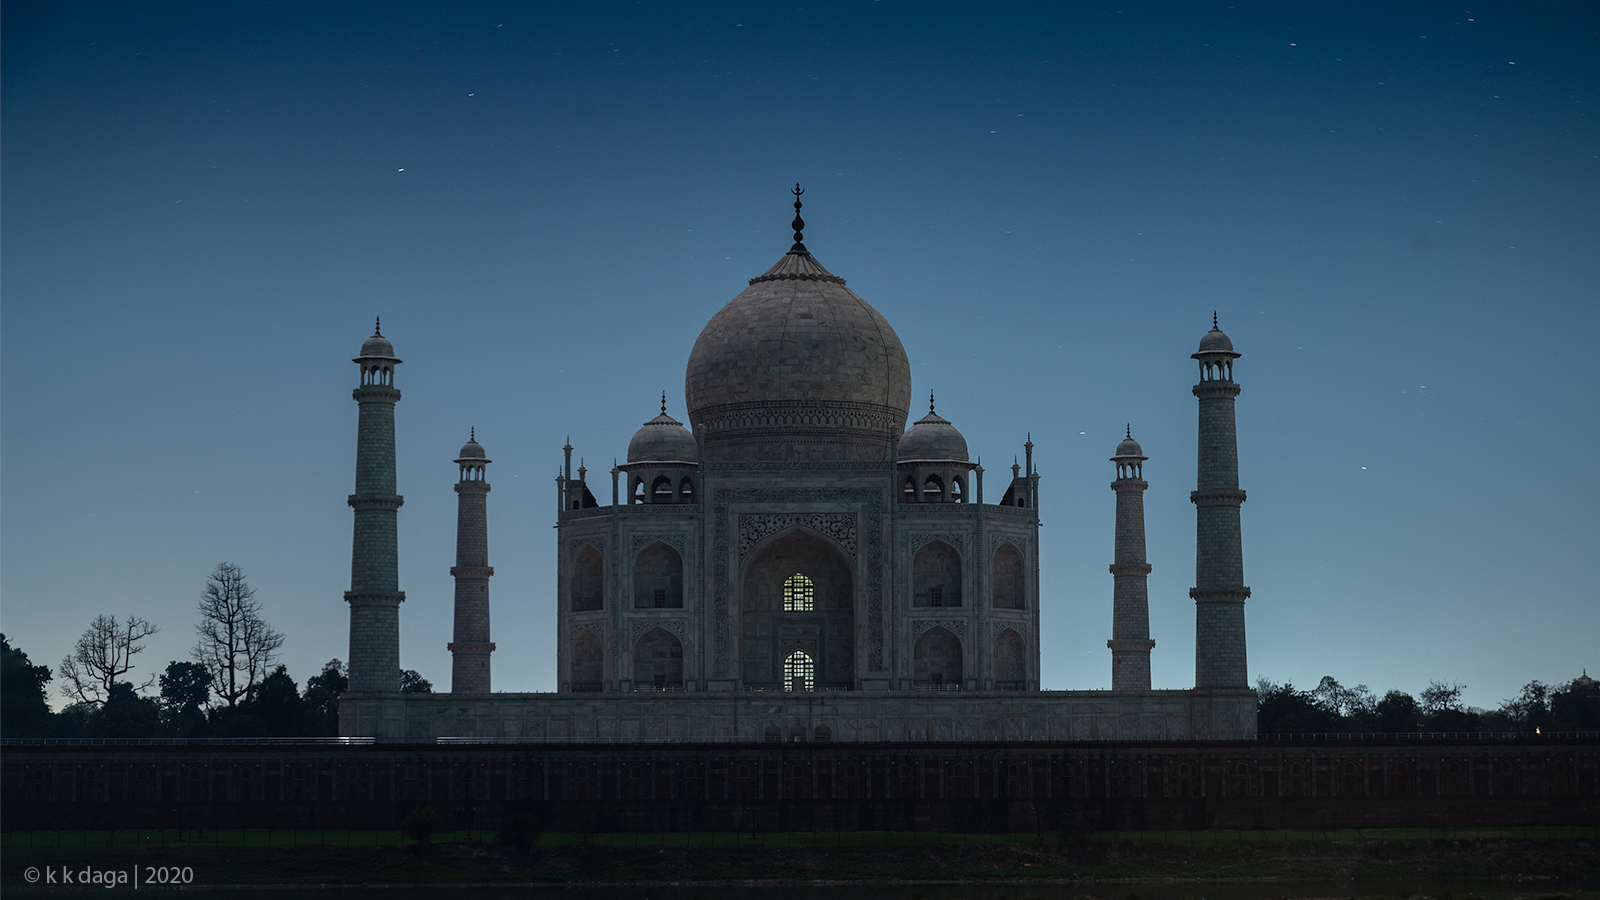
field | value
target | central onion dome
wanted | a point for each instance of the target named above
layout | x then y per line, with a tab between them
798	367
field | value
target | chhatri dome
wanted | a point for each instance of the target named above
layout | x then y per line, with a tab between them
377	345
798	367
932	438
1214	341
472	449
663	439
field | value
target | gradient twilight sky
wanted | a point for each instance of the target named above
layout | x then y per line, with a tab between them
1394	208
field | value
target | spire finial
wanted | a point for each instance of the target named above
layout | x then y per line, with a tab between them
798	224
663	403
472	433
1214	321
930	402
1130	431
377	325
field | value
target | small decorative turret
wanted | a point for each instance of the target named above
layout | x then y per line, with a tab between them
1130	605
470	649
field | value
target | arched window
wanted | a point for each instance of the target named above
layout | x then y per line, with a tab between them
661	490
955	490
686	491
911	490
799	596
798	672
587	579
636	493
933	489
1009	582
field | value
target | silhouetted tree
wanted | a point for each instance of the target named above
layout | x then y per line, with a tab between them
1397	712
412	682
124	714
1577	706
185	690
102	655
236	645
1280	709
322	698
24	704
1442	709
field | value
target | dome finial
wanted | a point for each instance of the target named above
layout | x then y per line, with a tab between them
663	403
798	224
1129	433
472	433
377	325
1214	321
930	401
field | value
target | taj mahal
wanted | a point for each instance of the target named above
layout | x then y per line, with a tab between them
795	564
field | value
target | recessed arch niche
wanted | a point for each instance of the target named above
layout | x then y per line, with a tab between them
658	578
936	659
936	575
826	632
1009	582
658	661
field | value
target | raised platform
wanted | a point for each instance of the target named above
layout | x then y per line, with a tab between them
845	716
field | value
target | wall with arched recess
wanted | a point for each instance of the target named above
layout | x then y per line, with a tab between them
768	634
658	578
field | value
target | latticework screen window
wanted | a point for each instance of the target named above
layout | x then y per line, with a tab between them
798	595
798	671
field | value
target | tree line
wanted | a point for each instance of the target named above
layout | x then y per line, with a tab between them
1330	707
231	686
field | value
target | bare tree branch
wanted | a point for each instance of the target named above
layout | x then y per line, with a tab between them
102	655
236	645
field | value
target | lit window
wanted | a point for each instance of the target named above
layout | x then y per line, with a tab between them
798	672
798	597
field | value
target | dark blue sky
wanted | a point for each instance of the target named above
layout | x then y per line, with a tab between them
1393	208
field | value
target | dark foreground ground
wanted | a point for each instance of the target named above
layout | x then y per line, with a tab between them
1381	862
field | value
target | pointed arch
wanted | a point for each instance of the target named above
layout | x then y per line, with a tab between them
658	578
1010	661
1009	590
661	489
768	632
658	661
936	659
588	662
588	579
936	575
799	672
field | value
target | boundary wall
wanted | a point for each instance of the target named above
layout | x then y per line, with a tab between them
841	717
954	786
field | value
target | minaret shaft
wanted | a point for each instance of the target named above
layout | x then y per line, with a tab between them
470	647
375	594
1219	592
1130	604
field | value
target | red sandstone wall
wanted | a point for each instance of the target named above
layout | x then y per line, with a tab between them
962	787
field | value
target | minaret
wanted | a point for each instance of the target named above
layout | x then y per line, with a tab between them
375	594
1219	592
469	652
1130	597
